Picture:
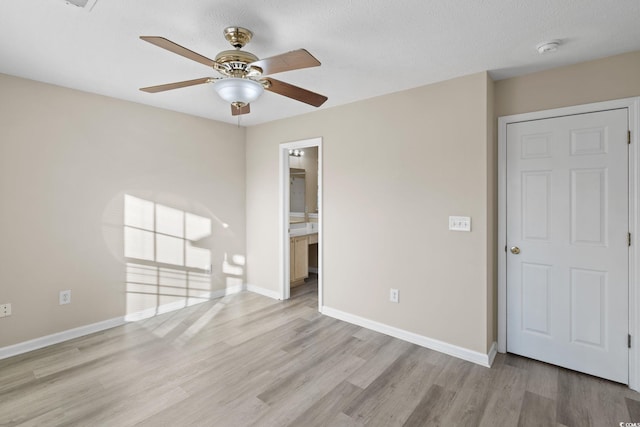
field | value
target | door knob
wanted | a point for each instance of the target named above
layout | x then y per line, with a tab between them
515	250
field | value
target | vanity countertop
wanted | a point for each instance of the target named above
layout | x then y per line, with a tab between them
301	232
305	229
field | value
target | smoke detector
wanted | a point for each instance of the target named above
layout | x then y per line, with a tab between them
547	47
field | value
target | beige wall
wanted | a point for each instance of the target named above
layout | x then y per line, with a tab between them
394	168
601	80
66	160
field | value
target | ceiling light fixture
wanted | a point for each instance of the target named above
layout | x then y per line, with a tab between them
547	47
296	153
238	92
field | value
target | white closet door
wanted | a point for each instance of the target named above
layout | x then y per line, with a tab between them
567	254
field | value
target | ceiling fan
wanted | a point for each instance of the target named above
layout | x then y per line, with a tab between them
244	76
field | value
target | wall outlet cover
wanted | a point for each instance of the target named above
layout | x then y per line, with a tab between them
5	310
394	295
65	297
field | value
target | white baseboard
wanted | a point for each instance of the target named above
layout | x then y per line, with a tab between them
433	344
492	352
229	290
37	343
177	305
264	292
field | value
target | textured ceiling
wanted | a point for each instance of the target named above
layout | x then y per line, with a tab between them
367	48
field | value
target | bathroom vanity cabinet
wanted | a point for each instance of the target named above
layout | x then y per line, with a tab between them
299	265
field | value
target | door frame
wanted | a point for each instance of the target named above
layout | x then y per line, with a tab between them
633	106
285	256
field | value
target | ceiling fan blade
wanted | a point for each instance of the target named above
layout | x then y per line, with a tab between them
294	60
176	48
176	85
242	110
295	92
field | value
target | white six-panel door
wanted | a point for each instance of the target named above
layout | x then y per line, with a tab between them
567	255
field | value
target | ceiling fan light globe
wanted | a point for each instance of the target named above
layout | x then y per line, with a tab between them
238	91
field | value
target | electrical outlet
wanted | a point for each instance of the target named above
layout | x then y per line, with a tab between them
394	295
65	297
5	310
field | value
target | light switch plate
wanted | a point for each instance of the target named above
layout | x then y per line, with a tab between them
460	223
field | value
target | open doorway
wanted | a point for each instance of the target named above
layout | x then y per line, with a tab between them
301	217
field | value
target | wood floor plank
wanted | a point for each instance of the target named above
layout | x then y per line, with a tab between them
392	397
603	402
287	365
537	411
506	395
313	373
370	343
249	331
633	407
310	336
385	356
255	357
470	402
543	379
343	420
585	400
454	373
247	360
44	397
434	404
300	392
10	380
328	407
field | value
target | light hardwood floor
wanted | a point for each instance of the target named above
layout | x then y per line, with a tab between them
248	360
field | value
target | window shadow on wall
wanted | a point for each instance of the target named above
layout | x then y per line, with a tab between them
165	268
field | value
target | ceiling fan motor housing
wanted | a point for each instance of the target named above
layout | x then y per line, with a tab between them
235	63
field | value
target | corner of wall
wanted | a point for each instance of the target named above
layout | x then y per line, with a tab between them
492	214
